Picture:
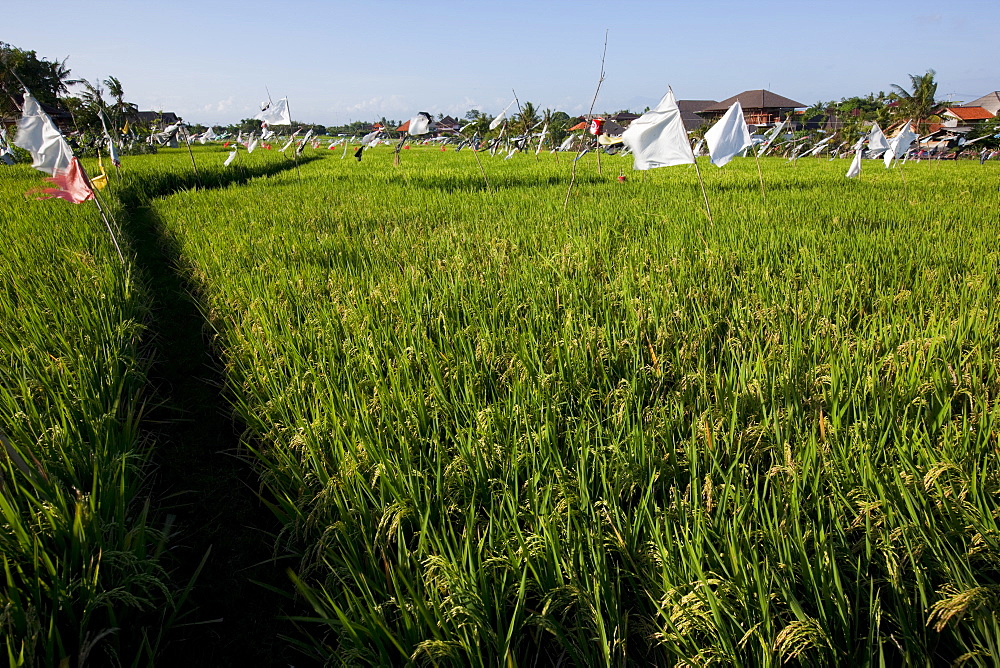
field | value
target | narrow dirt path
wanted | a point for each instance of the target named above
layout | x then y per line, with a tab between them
201	480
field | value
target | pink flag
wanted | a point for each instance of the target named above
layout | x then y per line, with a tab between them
73	186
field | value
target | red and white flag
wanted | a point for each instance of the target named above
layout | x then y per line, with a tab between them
39	136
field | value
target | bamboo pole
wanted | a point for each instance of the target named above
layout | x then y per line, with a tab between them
104	216
589	113
187	140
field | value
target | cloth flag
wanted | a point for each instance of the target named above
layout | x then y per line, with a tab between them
39	136
877	143
251	145
772	135
276	114
728	136
855	168
6	155
232	156
71	184
658	138
820	146
541	138
900	144
420	124
290	140
495	123
304	141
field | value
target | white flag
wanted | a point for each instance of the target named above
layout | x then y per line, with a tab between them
658	138
855	168
276	114
877	141
252	145
500	118
900	144
541	138
231	157
370	137
772	135
728	137
39	136
820	146
420	124
290	140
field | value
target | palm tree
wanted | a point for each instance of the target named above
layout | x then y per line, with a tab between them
528	118
917	104
122	109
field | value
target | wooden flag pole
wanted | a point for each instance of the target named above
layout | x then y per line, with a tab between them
187	140
701	182
527	145
761	175
475	152
600	80
100	209
295	149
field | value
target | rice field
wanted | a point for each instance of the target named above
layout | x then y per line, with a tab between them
498	431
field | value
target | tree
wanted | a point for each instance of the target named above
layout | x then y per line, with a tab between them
989	129
46	79
918	103
121	111
527	118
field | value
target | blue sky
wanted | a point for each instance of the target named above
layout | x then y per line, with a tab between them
338	61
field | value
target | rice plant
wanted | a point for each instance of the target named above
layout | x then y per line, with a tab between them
501	431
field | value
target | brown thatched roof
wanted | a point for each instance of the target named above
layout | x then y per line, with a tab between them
756	99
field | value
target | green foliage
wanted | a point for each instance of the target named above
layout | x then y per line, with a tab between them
46	79
918	103
989	129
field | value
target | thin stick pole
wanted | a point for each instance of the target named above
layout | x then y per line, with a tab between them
399	147
525	122
697	170
187	140
295	149
761	175
104	216
479	162
590	113
708	209
901	178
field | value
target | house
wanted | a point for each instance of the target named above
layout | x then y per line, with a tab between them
990	102
690	110
156	121
448	123
760	107
954	117
623	118
59	115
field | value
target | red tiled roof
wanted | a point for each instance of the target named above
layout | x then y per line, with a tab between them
969	113
404	127
582	125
